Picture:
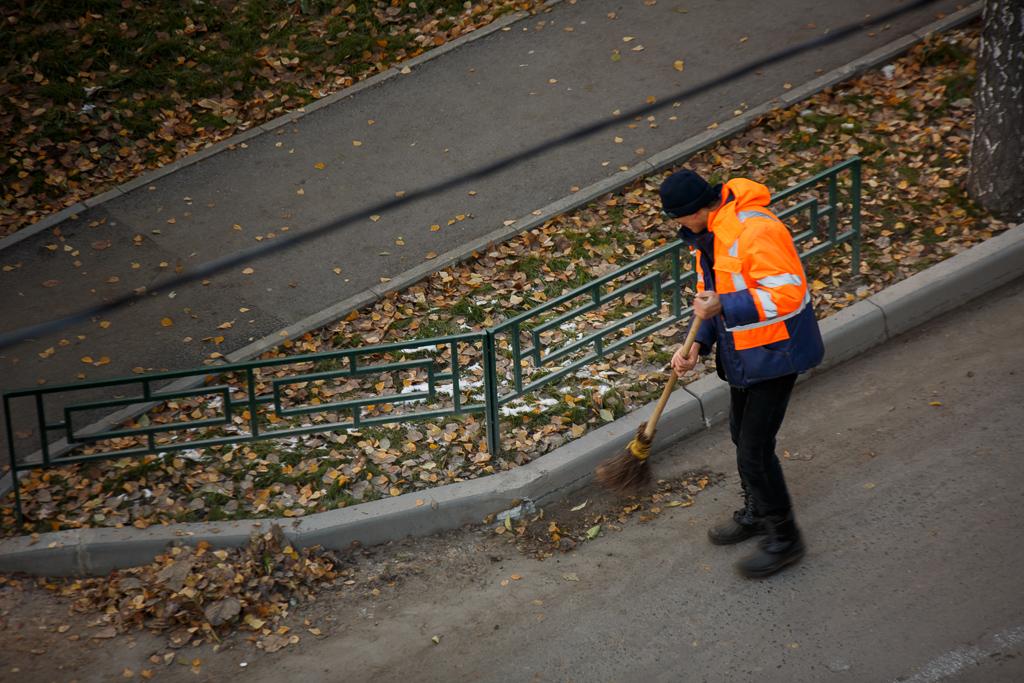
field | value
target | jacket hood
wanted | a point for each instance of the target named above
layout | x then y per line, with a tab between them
739	194
746	194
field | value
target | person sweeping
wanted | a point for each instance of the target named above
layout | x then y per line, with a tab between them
754	308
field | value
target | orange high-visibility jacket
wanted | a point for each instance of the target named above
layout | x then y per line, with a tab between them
767	328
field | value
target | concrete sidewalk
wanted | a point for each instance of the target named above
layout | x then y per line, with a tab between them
541	77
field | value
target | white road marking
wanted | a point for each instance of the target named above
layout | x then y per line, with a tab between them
955	661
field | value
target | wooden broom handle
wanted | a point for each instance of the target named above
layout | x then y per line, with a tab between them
658	409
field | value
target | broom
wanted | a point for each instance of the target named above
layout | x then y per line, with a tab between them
630	470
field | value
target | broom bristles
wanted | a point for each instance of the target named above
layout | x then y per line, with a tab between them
626	471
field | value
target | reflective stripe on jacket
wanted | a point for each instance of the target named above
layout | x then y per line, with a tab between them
767	328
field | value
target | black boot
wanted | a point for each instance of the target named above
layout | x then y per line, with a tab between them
744	524
782	547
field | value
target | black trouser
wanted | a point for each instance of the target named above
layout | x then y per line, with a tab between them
755	415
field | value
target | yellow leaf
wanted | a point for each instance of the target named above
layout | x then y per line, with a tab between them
374	218
940	230
87	359
818	284
935	403
319	165
357	143
678	65
248	271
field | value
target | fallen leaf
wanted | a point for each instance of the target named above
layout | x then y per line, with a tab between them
253	622
222	611
678	65
570	576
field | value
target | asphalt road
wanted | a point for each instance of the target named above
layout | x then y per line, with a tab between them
911	512
545	76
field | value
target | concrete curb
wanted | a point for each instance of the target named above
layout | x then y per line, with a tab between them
652	164
156	174
703	403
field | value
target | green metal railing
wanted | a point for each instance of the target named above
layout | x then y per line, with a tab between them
428	378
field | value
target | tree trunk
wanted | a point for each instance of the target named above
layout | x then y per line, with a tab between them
996	179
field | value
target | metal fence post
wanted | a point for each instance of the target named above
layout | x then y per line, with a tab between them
14	462
855	205
492	417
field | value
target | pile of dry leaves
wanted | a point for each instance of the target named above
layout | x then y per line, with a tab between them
540	533
197	593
